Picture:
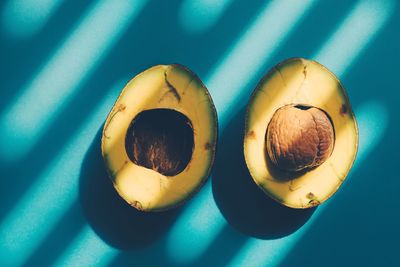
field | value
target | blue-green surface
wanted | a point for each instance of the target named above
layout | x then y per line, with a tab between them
63	64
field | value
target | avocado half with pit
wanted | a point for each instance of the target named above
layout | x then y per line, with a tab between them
301	135
159	139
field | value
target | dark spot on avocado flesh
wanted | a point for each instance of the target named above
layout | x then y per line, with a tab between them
310	195
207	146
343	110
251	135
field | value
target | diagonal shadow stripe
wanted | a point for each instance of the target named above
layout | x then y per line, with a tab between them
61	131
367	201
128	55
55	218
348	205
34	50
86	250
270	253
69	225
26	120
263	250
53	192
236	70
214	251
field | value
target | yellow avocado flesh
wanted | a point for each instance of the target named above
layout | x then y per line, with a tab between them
305	82
145	188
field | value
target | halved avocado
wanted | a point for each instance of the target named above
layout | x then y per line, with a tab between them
301	136
160	137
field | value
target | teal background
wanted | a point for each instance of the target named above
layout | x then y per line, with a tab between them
63	63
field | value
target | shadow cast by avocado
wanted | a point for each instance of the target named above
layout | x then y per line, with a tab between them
239	199
115	221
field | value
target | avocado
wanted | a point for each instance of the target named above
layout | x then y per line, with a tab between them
159	139
301	136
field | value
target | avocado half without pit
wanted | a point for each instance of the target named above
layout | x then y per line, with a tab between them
159	139
301	135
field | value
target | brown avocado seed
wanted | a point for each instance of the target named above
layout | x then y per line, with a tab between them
299	137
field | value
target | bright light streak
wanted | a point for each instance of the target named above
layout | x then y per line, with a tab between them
354	34
372	120
201	222
26	119
87	249
255	47
24	18
53	192
197	16
372	117
196	228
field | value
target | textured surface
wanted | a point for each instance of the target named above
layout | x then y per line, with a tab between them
58	208
299	138
161	140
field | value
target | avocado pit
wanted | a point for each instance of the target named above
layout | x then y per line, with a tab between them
299	137
161	140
